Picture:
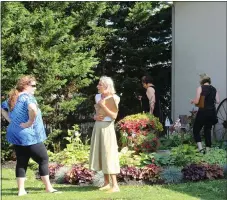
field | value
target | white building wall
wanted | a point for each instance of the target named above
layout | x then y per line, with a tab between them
199	46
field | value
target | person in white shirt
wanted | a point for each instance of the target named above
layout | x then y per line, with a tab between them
104	148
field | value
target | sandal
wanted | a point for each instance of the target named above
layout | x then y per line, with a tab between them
203	151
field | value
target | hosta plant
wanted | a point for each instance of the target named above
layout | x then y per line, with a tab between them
184	155
128	158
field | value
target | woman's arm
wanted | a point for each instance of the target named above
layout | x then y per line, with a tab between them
151	97
110	113
32	113
5	115
217	98
198	92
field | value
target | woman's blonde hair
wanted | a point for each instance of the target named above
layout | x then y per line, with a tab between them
204	78
20	86
108	82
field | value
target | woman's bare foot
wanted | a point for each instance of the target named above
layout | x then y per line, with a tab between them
21	193
105	187
53	191
114	189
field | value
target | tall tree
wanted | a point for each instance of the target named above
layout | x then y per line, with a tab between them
140	44
56	42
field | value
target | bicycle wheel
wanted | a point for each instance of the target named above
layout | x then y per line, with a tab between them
220	129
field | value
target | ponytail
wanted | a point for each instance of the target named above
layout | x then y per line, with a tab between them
13	95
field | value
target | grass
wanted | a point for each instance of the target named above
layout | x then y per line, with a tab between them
208	190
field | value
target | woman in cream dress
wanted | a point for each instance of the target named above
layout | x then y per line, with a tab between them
104	148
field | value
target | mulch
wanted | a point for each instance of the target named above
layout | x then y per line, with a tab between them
9	164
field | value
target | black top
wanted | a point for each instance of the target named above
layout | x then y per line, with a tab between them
210	97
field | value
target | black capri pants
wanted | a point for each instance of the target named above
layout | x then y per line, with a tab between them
37	152
204	118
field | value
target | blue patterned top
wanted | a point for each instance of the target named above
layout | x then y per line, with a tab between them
24	136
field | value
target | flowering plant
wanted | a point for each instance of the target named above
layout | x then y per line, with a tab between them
53	168
78	175
139	132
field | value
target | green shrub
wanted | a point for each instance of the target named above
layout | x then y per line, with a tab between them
225	170
185	154
175	139
215	156
7	152
60	174
128	158
139	132
98	179
172	175
75	152
163	159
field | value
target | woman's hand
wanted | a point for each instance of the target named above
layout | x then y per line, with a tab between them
98	117
192	101
26	125
102	103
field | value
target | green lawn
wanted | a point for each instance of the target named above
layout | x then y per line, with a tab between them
209	190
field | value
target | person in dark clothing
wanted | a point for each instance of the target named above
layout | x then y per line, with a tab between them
152	103
206	117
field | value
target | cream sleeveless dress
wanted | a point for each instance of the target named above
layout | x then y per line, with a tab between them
104	148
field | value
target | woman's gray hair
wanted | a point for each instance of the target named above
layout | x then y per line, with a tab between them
108	82
204	78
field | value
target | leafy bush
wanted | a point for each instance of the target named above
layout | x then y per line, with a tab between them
151	173
197	172
139	129
194	172
146	159
7	152
215	156
130	173
214	171
60	174
75	152
128	158
225	170
150	143
53	168
98	180
185	154
175	139
156	158
171	175
33	165
78	174
163	159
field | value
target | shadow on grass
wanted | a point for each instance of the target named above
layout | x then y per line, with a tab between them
63	188
205	190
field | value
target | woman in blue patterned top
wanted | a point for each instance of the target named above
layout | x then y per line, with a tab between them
26	131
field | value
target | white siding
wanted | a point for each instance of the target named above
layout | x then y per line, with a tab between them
199	46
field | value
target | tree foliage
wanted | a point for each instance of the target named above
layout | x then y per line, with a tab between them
69	45
56	42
